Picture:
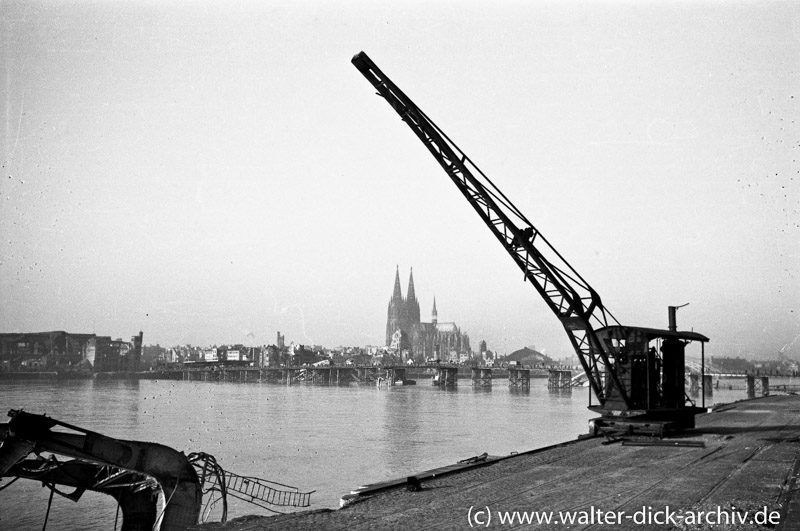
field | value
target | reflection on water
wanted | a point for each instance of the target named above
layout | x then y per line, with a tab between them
331	439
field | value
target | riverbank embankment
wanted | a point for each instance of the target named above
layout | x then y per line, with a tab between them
738	469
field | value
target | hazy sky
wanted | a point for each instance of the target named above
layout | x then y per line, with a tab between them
212	172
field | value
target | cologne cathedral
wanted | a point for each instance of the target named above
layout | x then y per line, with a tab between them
422	341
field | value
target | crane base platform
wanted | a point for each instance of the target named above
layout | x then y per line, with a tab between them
656	423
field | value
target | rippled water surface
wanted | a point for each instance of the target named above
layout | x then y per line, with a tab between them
324	438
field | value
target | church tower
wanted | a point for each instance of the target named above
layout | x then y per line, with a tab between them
411	304
418	340
395	313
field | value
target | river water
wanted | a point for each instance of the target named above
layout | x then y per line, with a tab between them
325	438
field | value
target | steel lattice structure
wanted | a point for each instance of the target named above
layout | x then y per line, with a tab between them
568	295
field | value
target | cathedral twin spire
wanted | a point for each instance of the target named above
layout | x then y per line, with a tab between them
405	332
403	312
411	296
397	295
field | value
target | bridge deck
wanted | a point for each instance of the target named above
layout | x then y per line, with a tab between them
742	457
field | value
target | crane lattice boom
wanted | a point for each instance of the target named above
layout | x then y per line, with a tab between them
568	295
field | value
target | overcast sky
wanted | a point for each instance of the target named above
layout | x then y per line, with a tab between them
212	172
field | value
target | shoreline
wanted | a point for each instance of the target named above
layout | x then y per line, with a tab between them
177	374
742	456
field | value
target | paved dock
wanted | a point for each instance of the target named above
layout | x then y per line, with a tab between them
738	469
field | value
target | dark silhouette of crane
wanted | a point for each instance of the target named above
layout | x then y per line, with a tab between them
157	488
636	374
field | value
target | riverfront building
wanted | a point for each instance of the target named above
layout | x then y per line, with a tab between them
65	351
406	333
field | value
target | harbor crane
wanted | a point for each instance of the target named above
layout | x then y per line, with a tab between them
636	374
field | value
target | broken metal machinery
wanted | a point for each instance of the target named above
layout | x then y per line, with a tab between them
636	374
156	487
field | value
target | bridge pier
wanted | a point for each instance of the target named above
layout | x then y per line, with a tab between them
321	375
340	375
270	375
708	386
481	377
395	374
558	379
694	384
519	378
290	375
445	376
367	374
756	385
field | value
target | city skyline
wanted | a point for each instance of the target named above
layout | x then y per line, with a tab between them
217	172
